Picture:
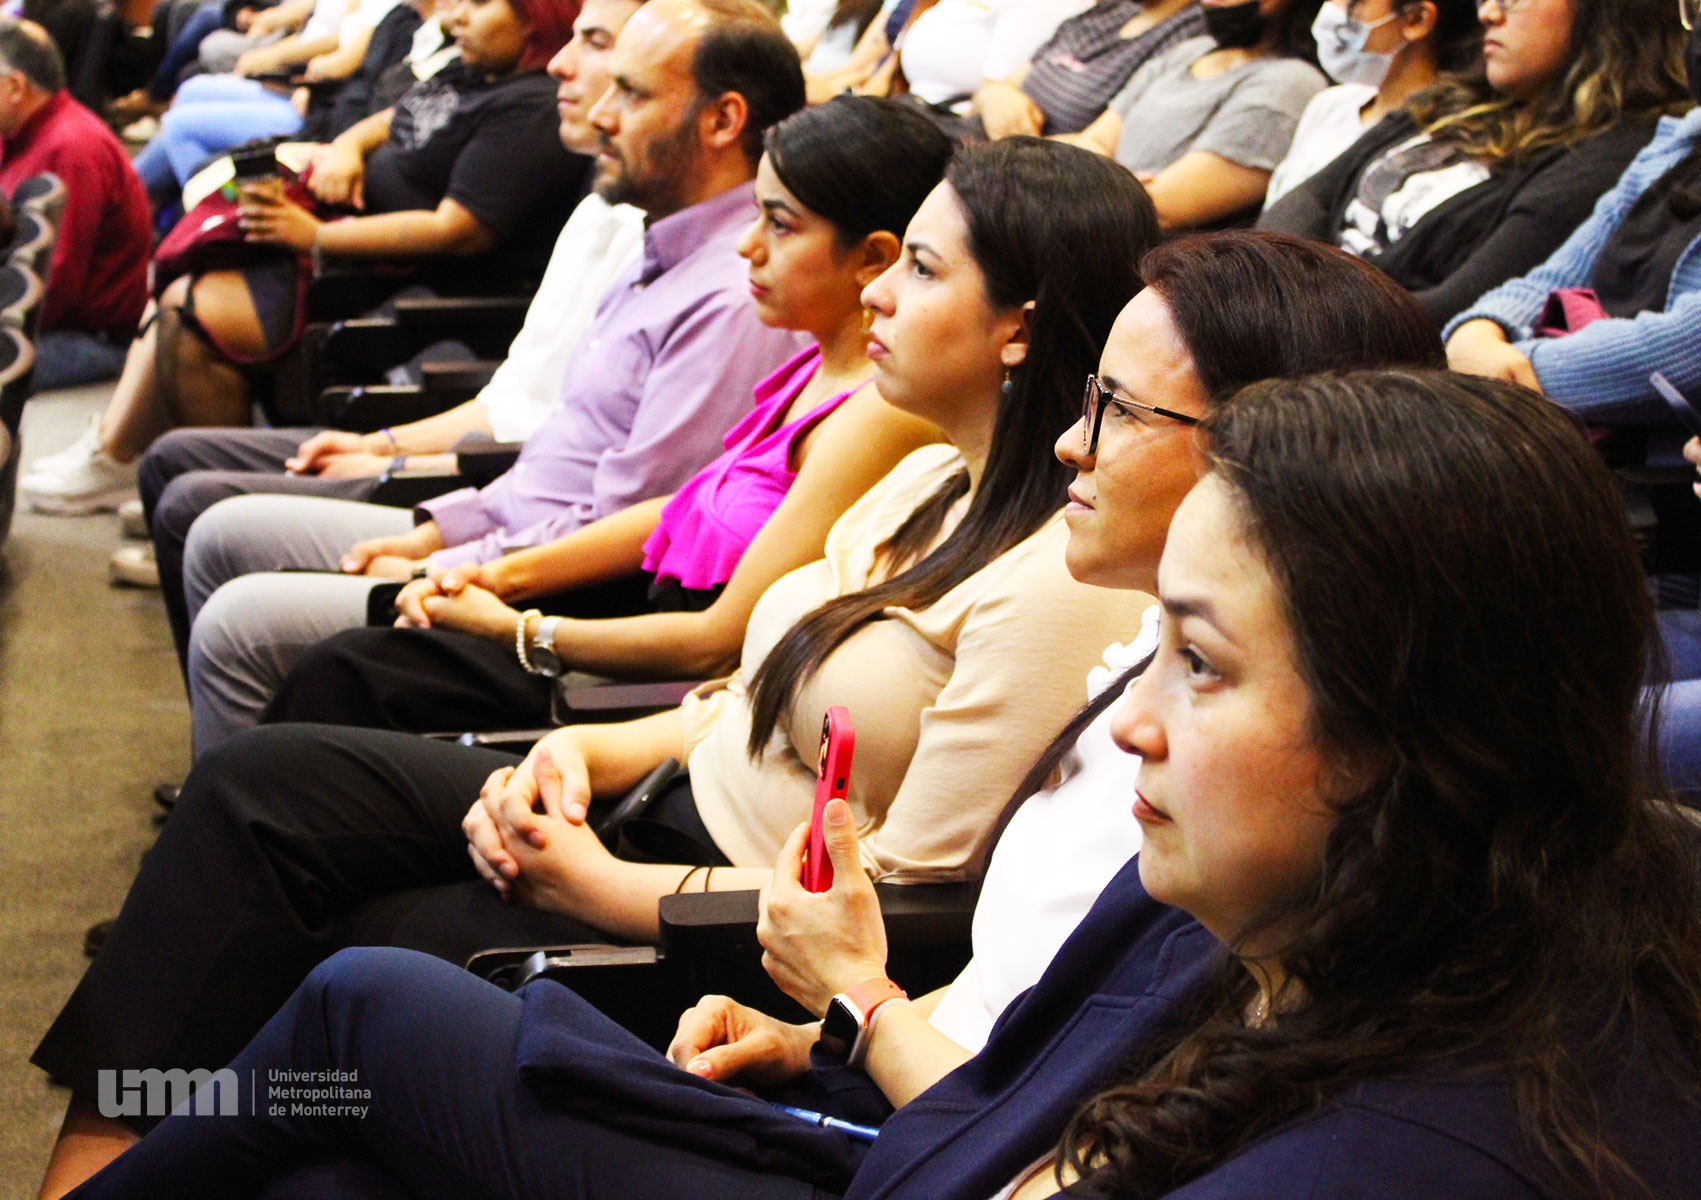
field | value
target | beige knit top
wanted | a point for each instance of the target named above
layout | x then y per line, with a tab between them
951	704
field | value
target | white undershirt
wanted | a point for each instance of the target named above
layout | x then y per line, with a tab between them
1056	855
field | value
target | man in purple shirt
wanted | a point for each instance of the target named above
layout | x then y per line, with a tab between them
666	366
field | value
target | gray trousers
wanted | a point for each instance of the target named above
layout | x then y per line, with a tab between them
187	471
259	574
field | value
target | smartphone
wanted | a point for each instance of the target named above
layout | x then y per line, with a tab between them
1682	407
832	777
259	162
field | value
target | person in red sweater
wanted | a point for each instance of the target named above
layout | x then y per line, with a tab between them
98	284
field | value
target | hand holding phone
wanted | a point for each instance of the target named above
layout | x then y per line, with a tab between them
832	780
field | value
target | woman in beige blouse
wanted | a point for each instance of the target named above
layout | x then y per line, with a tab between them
942	616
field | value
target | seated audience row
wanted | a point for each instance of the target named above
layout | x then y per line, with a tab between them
437	180
1320	897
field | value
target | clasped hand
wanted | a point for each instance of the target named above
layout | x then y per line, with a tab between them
815	945
462	598
526	833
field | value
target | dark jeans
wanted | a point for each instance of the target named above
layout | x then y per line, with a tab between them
184	49
287	844
188	471
449	1114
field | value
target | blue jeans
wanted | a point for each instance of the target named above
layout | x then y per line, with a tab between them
1680	715
67	357
212	114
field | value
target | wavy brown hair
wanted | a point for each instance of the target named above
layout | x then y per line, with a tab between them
1502	889
1047	223
1626	65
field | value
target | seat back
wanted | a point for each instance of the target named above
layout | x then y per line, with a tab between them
33	245
44	194
8	480
21	296
17	366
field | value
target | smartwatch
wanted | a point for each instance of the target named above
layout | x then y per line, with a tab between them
541	658
850	1016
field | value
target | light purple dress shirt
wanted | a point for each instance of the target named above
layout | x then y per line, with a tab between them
668	365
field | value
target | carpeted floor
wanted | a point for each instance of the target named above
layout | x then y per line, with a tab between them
92	715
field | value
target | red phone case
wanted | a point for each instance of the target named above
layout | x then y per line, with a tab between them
832	778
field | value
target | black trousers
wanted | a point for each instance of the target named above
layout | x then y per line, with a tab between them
287	844
441	681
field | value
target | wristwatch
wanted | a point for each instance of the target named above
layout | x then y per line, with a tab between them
540	655
850	1015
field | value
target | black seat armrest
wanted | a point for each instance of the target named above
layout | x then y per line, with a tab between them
455	381
361	349
486	323
367	407
916	915
708	925
483	463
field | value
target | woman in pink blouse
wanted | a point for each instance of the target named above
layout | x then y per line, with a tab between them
836	188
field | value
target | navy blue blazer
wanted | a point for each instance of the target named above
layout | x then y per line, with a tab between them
1123	978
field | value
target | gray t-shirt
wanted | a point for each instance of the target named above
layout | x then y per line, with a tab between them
1246	114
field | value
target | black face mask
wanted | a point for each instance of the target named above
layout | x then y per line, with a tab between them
1692	62
1234	26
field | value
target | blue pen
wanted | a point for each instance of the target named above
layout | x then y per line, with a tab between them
859	1133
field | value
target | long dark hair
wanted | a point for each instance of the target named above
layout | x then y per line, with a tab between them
1499	890
1292	30
862	162
1048	224
1626	64
1253	306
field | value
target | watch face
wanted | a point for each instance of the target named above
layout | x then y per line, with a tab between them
839	1029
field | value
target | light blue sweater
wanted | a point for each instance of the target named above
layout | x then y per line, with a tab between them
1601	372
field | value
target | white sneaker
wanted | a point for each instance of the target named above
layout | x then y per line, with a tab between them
134	566
78	480
143	129
132	522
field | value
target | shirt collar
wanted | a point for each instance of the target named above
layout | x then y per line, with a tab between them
668	241
22	135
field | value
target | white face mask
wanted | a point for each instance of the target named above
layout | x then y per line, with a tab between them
1340	47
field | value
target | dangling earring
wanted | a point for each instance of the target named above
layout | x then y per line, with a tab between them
867	321
1007	388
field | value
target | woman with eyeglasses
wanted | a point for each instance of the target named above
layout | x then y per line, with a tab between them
1408	920
942	615
1379	53
1478	178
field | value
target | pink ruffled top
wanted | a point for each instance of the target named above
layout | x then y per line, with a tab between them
706	527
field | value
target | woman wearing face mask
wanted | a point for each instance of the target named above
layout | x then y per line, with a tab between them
1203	124
1478	178
1378	52
1641	253
1408	920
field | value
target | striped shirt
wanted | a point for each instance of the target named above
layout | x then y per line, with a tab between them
1087	61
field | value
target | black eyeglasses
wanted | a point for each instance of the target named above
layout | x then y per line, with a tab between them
1093	406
